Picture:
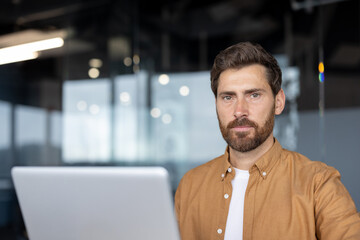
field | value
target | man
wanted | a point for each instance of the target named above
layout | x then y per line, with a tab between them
257	190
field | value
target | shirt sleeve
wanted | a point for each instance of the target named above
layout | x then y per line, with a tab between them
335	212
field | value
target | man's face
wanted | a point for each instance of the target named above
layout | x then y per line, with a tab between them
246	107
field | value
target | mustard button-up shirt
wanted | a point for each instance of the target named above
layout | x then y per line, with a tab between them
287	197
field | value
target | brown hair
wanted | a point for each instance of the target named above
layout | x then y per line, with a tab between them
245	54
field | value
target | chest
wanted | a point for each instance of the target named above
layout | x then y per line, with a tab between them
273	209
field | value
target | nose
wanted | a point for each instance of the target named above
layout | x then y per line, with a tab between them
241	108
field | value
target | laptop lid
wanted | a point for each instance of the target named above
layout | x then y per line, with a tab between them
92	203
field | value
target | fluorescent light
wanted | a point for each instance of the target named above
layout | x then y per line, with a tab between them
34	46
28	51
18	58
31	35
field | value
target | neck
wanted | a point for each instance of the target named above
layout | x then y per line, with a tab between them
245	160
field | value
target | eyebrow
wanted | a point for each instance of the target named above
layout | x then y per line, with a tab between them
254	90
248	91
226	93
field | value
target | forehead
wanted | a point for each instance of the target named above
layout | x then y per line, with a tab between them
252	76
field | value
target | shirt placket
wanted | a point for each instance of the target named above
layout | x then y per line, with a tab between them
225	202
250	202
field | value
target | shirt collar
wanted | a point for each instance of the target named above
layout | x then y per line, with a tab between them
263	165
266	162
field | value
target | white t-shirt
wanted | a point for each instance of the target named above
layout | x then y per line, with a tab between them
234	223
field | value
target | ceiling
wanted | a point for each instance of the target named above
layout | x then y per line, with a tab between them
186	35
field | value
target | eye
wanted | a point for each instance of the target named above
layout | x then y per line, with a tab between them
255	95
227	98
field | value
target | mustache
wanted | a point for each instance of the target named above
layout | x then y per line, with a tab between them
240	122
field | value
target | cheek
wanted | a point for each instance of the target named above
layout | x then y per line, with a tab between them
225	108
224	114
261	113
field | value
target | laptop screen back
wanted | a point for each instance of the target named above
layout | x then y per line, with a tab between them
92	203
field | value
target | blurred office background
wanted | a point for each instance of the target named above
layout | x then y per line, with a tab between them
127	83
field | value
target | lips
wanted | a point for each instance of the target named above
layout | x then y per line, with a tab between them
241	128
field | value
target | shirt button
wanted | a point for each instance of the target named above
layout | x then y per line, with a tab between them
229	170
223	175
219	231
264	174
226	196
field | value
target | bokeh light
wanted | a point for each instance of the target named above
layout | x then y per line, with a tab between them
164	79
321	72
94	73
184	90
166	118
125	97
136	59
94	109
155	112
95	63
127	61
81	105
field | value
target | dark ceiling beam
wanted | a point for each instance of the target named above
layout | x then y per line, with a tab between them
310	4
58	12
225	18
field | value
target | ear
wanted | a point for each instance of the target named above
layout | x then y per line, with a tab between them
279	102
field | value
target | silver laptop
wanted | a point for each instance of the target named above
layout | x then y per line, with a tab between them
96	203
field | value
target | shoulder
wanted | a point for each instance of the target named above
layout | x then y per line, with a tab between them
195	179
204	170
315	169
302	161
334	210
205	174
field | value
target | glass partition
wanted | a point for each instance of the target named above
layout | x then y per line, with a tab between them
86	118
131	84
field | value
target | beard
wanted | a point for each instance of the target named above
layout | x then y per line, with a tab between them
241	141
